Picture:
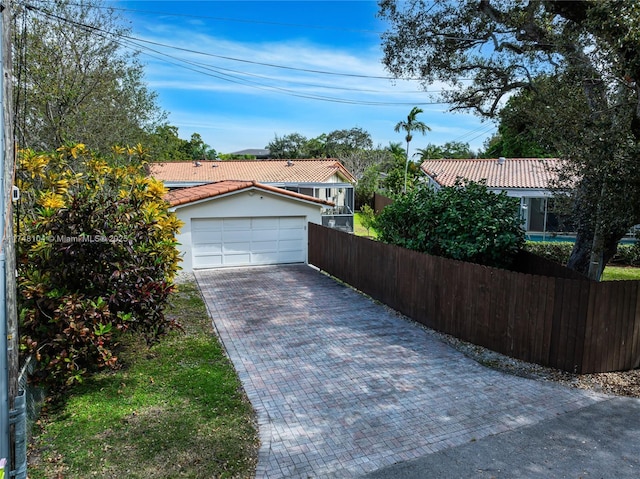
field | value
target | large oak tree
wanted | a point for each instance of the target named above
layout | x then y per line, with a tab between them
580	62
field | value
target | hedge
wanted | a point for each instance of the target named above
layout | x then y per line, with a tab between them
559	251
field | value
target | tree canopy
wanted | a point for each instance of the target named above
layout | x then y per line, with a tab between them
335	144
73	79
289	146
519	134
578	61
456	150
341	143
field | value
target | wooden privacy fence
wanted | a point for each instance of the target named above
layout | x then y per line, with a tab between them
567	322
380	201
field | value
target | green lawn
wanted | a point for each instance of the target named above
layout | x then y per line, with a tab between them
175	410
360	230
613	273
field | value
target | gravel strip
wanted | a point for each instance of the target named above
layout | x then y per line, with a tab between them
622	383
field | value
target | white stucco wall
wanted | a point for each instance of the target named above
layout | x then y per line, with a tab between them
244	204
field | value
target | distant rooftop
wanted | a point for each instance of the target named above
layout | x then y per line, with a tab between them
262	171
533	173
257	152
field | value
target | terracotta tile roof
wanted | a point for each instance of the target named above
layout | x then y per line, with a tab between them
183	196
263	171
534	173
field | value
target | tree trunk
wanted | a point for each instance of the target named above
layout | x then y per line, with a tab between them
582	260
581	253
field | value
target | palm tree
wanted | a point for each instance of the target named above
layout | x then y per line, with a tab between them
411	125
431	152
396	149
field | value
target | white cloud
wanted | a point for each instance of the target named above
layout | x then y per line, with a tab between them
246	108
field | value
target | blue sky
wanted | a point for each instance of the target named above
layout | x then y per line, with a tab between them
241	72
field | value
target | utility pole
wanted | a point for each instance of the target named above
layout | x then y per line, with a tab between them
9	366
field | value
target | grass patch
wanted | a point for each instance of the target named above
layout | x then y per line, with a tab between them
174	410
360	230
617	273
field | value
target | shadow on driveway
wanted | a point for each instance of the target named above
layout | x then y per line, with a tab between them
344	387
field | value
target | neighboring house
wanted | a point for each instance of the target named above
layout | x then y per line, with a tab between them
259	153
526	178
326	179
242	223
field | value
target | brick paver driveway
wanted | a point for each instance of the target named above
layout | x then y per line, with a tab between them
343	386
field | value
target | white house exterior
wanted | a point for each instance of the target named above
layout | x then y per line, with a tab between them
240	223
529	179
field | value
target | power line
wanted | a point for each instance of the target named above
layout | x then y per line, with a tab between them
475	133
222	57
279	24
141	44
241	20
221	70
235	76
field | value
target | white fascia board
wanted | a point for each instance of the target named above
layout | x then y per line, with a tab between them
524	192
184	184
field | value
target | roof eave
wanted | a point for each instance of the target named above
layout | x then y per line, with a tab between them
180	202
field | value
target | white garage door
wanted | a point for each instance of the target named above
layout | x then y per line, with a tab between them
220	242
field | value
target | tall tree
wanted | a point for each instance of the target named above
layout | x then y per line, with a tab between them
410	125
394	182
164	144
358	161
197	149
316	147
430	152
451	150
518	133
590	51
289	146
341	143
74	82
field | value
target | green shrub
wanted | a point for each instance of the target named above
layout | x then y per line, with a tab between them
466	222
558	251
97	257
627	255
367	217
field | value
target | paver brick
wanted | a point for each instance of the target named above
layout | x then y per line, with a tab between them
343	386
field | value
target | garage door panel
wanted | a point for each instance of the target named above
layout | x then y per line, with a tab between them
210	249
242	224
289	245
292	223
198	225
265	223
212	238
218	242
238	236
291	235
209	261
236	247
265	258
264	235
288	257
236	258
264	246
